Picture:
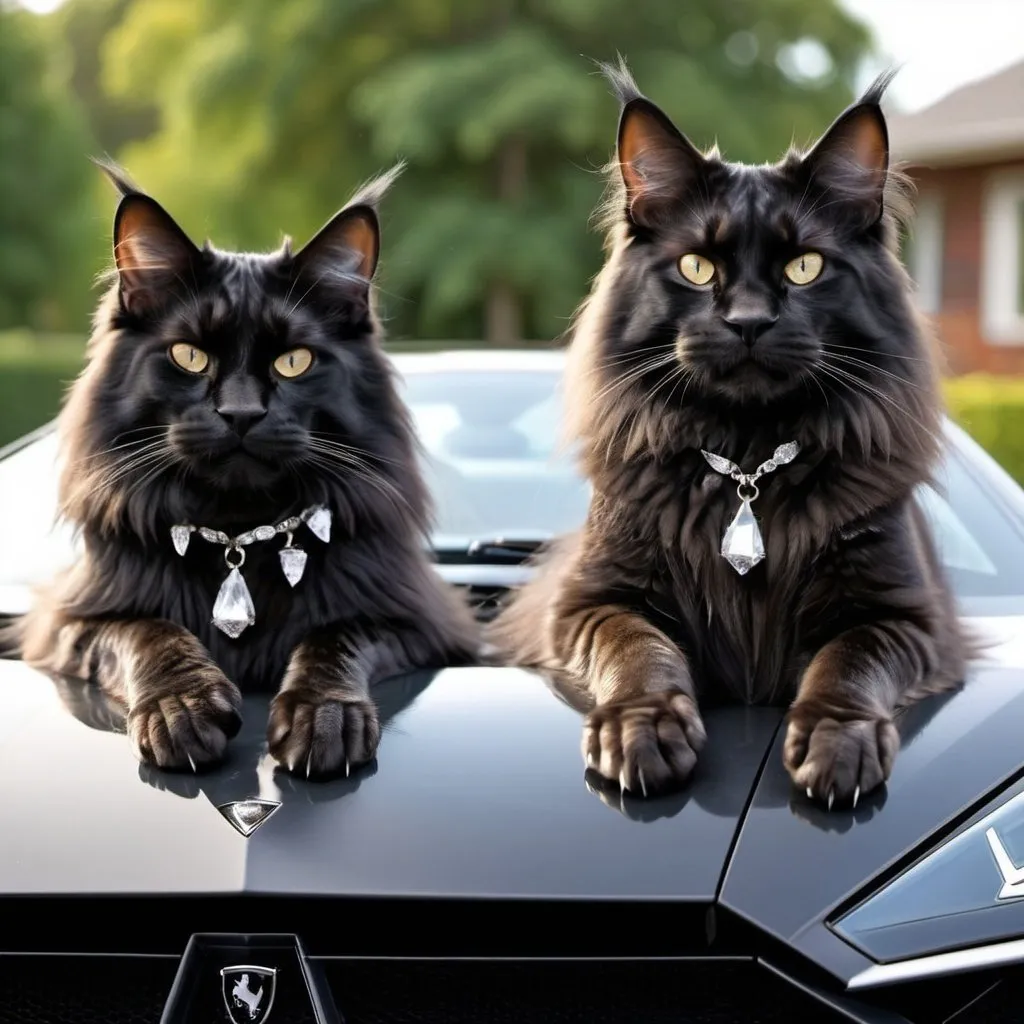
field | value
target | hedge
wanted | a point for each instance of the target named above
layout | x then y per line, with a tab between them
34	374
991	410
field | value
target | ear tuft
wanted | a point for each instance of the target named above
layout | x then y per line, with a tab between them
372	192
117	176
620	78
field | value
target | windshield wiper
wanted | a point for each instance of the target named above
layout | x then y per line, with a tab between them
489	551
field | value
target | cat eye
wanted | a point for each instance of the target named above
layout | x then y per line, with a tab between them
696	269
190	358
804	269
294	363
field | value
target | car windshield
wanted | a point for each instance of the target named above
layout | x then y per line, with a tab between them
496	465
494	457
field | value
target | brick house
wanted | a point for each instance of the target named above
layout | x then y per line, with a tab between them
966	249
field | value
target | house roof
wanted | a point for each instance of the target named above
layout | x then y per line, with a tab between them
976	123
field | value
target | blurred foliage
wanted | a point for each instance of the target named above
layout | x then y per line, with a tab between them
271	111
47	237
81	29
34	374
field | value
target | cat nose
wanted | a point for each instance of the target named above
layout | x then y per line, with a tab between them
749	326
242	418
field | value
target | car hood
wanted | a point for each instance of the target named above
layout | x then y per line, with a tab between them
479	792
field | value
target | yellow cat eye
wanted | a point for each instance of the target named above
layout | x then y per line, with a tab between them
804	269
190	358
696	269
294	363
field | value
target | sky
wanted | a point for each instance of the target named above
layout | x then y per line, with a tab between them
941	44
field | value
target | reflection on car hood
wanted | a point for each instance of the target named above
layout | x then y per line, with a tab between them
480	791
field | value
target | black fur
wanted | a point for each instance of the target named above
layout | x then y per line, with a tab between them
148	444
849	617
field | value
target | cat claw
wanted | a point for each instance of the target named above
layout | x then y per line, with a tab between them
347	768
622	782
309	763
810	793
192	762
856	796
831	797
643	781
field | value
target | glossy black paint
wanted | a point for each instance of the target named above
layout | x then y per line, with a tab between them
479	791
479	794
796	865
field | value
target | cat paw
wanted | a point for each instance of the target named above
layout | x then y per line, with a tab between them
648	745
313	733
836	761
186	728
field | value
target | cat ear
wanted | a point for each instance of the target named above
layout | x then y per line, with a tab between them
153	255
852	157
659	165
345	249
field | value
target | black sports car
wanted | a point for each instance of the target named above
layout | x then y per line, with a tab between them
474	872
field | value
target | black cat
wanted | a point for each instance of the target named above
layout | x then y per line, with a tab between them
226	392
749	351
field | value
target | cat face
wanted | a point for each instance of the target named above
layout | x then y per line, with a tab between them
244	359
739	277
234	385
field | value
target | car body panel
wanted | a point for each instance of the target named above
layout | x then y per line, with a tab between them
791	872
479	792
479	798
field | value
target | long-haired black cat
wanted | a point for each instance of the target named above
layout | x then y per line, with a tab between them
756	402
244	478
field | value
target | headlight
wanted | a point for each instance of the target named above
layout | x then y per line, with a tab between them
967	892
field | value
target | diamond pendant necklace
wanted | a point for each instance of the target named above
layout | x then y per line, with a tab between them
233	610
742	544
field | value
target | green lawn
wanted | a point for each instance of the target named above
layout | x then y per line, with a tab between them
36	370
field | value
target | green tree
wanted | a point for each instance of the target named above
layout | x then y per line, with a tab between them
81	26
47	235
271	110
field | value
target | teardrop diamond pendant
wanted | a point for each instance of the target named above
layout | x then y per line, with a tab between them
233	610
742	545
293	563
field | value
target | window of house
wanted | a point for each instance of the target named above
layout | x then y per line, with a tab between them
1002	269
922	252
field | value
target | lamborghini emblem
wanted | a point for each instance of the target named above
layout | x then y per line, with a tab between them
247	815
248	993
1013	876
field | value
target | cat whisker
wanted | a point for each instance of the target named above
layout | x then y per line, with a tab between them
330	439
677	374
361	471
829	345
854	361
127	465
814	377
635	373
145	443
852	381
627	357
